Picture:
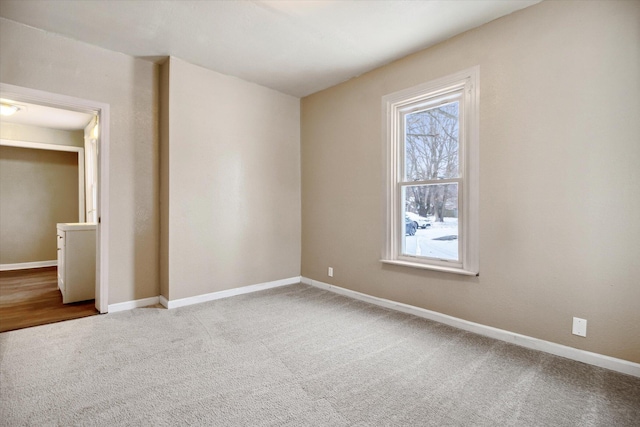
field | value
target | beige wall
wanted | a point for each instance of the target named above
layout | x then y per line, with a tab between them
38	189
18	132
40	60
559	173
560	166
231	174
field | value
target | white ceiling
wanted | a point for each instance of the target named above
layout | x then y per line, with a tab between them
296	47
48	117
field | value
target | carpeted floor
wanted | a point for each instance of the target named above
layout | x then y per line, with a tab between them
294	356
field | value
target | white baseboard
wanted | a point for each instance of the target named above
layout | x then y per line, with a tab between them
27	265
227	293
130	305
163	301
612	363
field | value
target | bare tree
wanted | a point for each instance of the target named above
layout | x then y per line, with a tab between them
431	153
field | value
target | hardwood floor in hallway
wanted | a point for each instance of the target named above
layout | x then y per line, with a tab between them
31	298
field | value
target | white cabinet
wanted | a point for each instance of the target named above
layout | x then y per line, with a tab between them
77	261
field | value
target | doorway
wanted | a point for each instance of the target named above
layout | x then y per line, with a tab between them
31	297
100	203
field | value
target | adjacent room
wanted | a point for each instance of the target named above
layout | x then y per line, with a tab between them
327	212
47	165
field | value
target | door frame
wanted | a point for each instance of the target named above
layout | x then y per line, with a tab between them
49	99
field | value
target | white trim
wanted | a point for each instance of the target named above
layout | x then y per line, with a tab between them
607	362
102	209
40	145
56	147
130	305
227	293
430	267
464	86
163	301
28	265
35	96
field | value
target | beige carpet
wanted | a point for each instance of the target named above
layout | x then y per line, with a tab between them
294	356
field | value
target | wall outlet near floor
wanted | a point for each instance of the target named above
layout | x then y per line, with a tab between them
579	327
330	272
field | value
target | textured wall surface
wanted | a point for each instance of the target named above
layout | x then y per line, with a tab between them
559	173
231	164
38	189
39	60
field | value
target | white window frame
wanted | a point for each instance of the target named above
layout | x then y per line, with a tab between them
394	108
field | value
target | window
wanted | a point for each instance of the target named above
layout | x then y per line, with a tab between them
431	191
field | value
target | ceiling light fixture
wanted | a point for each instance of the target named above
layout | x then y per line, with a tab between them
8	109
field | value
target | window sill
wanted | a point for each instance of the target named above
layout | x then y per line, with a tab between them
430	267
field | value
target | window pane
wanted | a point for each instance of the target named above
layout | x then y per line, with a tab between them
431	143
431	221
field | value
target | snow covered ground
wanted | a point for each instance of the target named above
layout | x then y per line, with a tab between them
423	243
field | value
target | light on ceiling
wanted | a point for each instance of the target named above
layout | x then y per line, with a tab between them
95	132
8	109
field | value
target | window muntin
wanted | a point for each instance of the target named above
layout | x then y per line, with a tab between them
431	150
431	143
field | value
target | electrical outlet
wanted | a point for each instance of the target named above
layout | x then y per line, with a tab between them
330	272
579	327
